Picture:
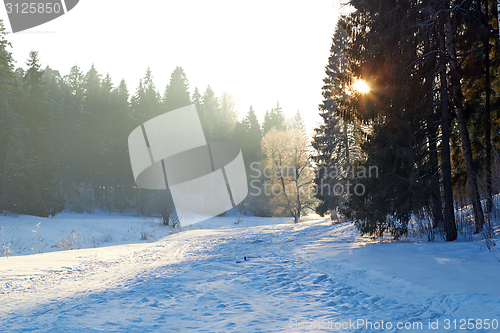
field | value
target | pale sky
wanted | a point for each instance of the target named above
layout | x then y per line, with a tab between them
260	52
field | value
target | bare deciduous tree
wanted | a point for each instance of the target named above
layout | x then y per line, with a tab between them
288	171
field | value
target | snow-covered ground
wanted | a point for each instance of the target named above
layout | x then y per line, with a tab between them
311	276
23	235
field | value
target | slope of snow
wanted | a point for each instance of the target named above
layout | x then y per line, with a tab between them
311	276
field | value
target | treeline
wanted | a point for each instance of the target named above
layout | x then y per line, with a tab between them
64	137
430	121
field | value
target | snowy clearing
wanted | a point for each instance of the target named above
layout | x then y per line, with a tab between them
311	276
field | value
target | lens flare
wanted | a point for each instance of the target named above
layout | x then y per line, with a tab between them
361	86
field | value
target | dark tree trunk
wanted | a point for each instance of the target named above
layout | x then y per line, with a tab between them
432	133
437	212
449	213
487	112
462	125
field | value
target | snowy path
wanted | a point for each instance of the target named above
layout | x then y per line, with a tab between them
305	277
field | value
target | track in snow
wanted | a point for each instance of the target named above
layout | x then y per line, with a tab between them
201	283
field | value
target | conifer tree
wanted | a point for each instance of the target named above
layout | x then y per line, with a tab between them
40	180
388	45
197	100
226	118
123	179
248	136
146	101
145	106
177	91
209	113
331	140
8	120
275	118
72	126
298	123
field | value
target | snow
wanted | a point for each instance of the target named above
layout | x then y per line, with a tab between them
311	276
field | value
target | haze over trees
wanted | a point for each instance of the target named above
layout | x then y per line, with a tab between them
410	110
64	137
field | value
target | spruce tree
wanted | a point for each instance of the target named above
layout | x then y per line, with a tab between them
90	135
72	122
145	106
209	114
122	177
226	118
177	91
389	46
196	99
247	134
298	123
8	120
331	140
146	101
275	118
40	182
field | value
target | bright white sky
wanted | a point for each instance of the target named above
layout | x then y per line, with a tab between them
260	52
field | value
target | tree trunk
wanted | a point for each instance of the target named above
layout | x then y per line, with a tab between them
437	212
297	189
346	144
462	125
449	214
432	133
487	110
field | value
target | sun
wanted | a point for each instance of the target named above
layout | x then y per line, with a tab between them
361	86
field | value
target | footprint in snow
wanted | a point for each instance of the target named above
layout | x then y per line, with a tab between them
320	278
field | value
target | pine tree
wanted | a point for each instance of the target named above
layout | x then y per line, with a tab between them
275	118
248	136
89	136
123	178
197	100
104	165
145	106
226	119
8	120
332	141
55	93
40	155
177	91
209	113
75	81
391	46
254	131
146	101
72	123
298	123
